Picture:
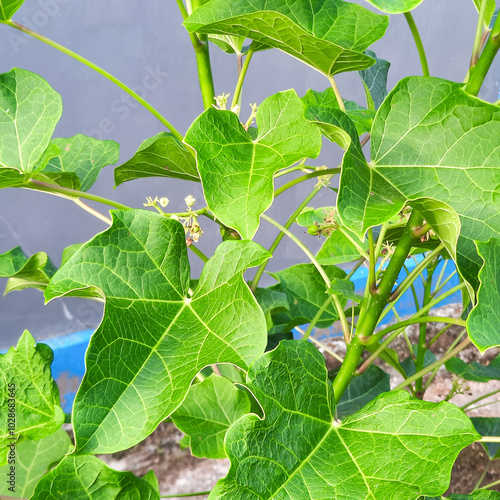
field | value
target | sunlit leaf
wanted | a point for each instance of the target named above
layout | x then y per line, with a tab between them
8	8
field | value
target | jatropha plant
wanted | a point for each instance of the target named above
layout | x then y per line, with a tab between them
420	175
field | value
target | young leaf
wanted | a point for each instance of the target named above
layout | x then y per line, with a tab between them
207	412
31	110
79	161
236	171
26	383
84	477
159	156
33	459
375	81
8	8
25	272
488	426
155	336
363	389
345	288
484	319
360	116
339	248
395	6
395	447
306	291
330	37
475	371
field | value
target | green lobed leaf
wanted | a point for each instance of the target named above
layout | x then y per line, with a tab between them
155	336
8	8
360	116
475	371
25	272
33	460
330	35
29	112
395	6
375	81
488	426
236	171
159	156
345	288
306	292
26	383
363	389
207	412
484	319
394	448
271	302
79	161
87	477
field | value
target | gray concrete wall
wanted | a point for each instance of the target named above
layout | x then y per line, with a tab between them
144	44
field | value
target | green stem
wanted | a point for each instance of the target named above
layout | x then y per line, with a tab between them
326	279
369	319
484	404
437	290
358	264
199	253
488	465
242	74
317	317
277	241
201	50
178	495
294	168
182	8
441	274
422	334
494	483
489	439
476	50
480	398
480	70
70	193
436	337
418	43
336	91
373	259
99	70
333	354
312	175
434	365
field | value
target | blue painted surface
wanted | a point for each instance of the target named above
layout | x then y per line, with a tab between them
68	366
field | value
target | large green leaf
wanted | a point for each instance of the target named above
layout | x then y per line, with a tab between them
329	35
207	412
271	302
394	448
86	477
484	320
236	171
395	6
29	112
8	8
33	459
488	426
375	81
363	389
79	161
159	156
475	371
306	292
156	334
27	387
25	272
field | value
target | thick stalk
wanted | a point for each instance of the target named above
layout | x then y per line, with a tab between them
480	70
201	50
422	334
418	43
241	75
378	302
99	70
70	193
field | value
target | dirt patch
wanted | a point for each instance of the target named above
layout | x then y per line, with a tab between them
179	472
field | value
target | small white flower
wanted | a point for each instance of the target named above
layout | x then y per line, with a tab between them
190	201
150	202
164	202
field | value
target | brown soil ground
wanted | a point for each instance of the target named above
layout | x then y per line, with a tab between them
179	472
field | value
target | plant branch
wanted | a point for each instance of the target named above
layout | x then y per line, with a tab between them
241	75
70	193
101	71
480	398
434	365
178	495
91	211
198	253
317	317
418	42
479	71
312	175
476	51
372	261
336	91
182	8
